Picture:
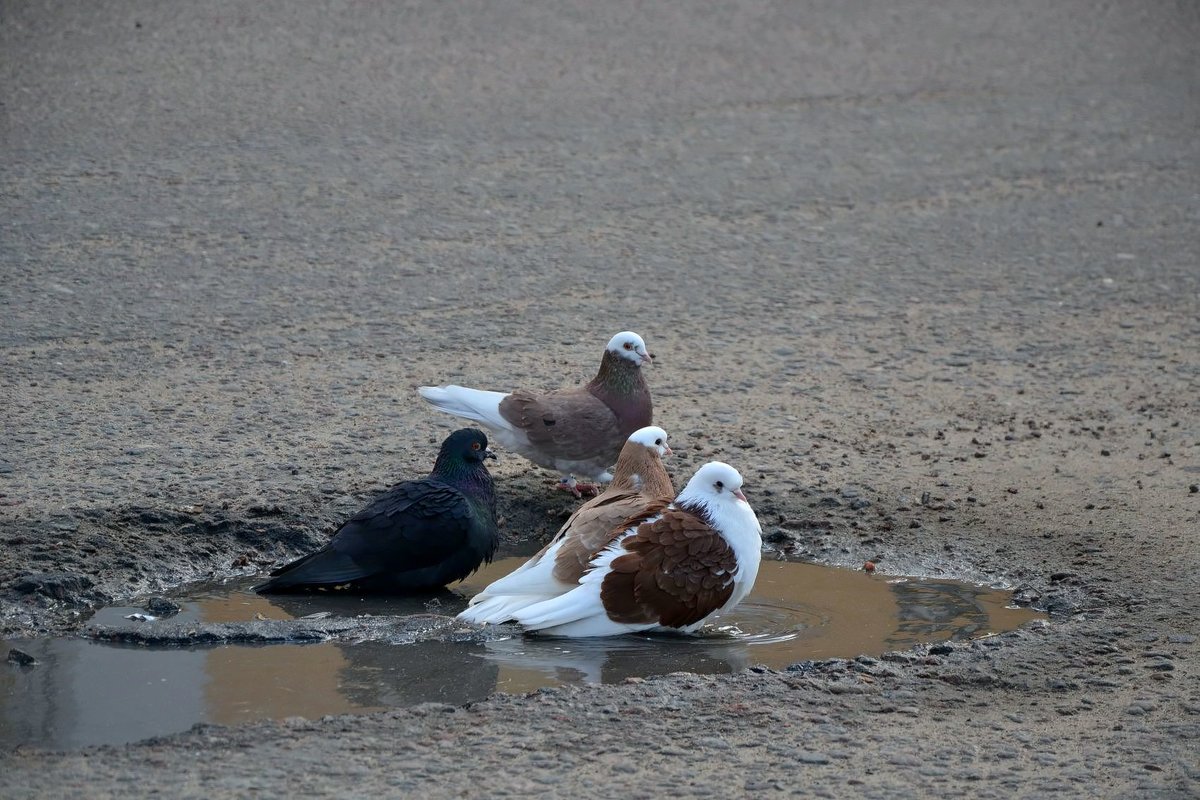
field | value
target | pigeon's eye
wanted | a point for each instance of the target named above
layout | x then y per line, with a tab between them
475	445
658	441
629	345
720	485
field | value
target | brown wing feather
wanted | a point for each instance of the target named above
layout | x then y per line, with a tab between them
676	572
606	522
569	424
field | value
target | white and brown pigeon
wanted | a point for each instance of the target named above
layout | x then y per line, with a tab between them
640	486
578	431
671	570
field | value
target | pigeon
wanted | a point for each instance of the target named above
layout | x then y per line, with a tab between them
671	570
640	483
418	536
573	431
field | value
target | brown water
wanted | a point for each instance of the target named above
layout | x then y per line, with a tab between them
85	692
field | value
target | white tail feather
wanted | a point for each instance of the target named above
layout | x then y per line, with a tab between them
530	583
475	404
579	612
581	602
535	578
497	609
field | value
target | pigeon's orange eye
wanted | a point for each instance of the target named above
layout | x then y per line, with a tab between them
475	445
629	345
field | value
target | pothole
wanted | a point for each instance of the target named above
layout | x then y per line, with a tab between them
231	656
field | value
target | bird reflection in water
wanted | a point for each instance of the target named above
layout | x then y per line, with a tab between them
528	663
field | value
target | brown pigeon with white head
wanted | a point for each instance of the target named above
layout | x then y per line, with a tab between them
640	487
674	570
576	431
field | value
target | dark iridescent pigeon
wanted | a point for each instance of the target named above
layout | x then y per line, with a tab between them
577	431
418	536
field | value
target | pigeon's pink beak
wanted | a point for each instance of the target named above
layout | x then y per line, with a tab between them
738	494
647	358
667	451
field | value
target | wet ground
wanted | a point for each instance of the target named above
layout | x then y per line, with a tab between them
133	675
927	274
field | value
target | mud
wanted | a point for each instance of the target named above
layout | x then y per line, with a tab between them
926	275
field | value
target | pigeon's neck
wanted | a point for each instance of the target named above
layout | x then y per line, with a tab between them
697	508
473	480
735	522
619	385
640	473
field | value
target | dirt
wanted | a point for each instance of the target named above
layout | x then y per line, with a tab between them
927	277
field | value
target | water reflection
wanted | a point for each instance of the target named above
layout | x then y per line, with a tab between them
85	693
442	672
930	611
527	663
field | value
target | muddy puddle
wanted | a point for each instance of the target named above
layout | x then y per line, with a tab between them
84	692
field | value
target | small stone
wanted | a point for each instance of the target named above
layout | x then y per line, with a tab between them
162	606
714	742
1025	595
812	758
21	658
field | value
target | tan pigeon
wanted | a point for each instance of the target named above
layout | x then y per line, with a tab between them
640	487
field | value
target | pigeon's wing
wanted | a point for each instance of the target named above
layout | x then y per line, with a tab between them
416	525
572	424
677	570
596	524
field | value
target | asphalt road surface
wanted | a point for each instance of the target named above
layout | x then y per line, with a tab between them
938	257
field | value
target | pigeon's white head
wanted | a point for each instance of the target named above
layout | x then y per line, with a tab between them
715	484
629	345
652	438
